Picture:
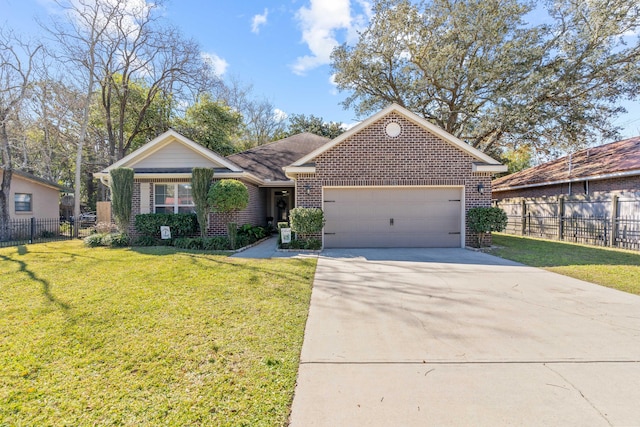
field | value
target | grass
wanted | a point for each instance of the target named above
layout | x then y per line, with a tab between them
613	268
153	336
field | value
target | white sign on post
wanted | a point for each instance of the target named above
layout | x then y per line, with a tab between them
285	235
165	232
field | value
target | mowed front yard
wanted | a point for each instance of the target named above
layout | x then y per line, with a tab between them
614	268
151	336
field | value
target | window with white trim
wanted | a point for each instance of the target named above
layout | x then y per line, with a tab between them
173	198
22	202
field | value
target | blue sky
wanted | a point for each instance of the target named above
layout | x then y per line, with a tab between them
280	47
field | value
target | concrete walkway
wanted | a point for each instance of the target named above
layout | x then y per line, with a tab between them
269	249
455	337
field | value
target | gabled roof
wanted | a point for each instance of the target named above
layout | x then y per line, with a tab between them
482	158
267	161
621	158
161	141
31	177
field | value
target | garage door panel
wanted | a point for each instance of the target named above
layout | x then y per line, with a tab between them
393	217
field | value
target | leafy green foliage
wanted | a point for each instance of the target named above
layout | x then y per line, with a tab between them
228	195
212	124
253	232
149	336
306	221
182	224
116	240
200	183
122	197
299	123
486	220
308	244
480	71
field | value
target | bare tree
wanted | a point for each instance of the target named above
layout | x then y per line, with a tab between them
262	122
16	66
80	46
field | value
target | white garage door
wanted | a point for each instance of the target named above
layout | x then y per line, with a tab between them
401	217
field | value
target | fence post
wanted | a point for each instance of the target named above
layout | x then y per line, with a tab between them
560	217
523	224
33	230
614	221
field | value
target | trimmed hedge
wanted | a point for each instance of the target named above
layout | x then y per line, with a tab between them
182	225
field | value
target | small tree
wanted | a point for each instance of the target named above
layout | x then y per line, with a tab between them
306	221
200	183
121	197
485	220
227	197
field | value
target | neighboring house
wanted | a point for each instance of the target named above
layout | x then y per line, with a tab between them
394	180
33	197
610	169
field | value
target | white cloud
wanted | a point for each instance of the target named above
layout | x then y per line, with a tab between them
218	64
259	21
280	115
320	24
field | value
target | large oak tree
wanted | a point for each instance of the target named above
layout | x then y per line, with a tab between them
479	70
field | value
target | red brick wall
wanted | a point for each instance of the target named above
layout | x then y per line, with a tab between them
255	213
415	157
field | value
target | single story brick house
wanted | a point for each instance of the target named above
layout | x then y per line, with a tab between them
393	180
33	197
603	171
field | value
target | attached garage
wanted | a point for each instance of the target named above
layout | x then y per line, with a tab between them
394	180
386	217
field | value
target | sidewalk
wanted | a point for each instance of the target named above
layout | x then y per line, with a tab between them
269	249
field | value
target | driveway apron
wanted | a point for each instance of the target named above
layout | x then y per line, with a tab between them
425	337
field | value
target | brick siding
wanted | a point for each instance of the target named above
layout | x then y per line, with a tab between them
254	214
415	157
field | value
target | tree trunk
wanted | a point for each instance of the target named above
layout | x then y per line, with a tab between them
7	173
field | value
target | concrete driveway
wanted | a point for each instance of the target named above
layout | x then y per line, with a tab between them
425	337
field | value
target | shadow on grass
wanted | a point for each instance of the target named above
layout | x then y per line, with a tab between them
546	253
46	287
200	257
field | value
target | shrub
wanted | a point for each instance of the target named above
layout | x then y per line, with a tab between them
485	220
98	239
253	232
119	240
217	243
306	221
182	225
228	196
145	241
121	196
46	234
311	244
201	182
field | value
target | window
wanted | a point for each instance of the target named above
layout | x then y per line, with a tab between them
22	202
173	198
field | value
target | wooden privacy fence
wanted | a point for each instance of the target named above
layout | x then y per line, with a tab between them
613	222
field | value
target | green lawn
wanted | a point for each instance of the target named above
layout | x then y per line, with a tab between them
608	267
150	336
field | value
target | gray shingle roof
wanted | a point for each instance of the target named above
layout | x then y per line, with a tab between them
266	161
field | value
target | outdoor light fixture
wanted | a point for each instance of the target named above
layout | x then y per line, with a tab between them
307	189
481	188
